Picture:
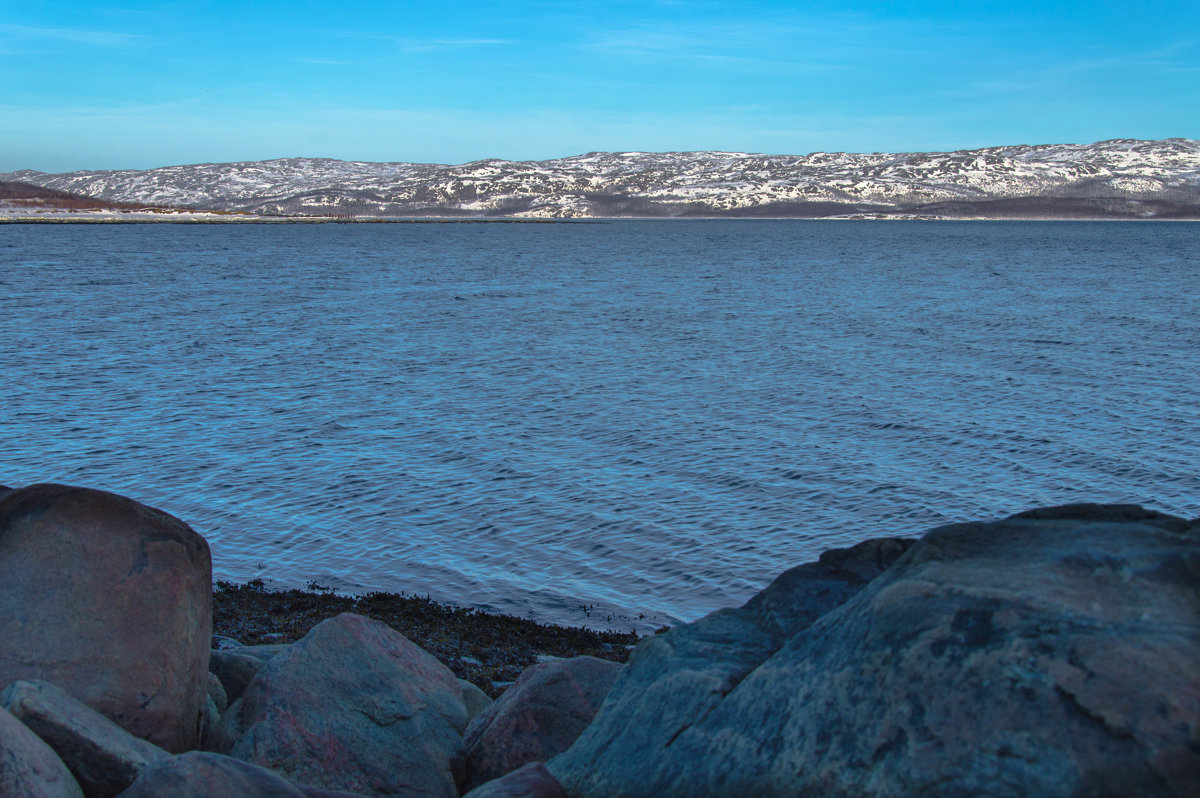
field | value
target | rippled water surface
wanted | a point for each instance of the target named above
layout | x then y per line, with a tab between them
648	417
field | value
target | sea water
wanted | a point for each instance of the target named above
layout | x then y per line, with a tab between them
619	423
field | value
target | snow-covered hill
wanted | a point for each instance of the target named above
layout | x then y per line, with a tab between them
1111	178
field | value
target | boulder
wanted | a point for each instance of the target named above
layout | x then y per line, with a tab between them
352	706
215	704
222	730
1054	653
528	781
216	693
265	651
474	699
111	601
28	767
538	717
234	669
103	757
210	717
207	775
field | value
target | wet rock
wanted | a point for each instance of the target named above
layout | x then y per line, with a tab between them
103	757
352	706
28	767
528	781
474	699
538	717
234	669
1055	653
109	600
208	775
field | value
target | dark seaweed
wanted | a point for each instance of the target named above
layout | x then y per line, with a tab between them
489	650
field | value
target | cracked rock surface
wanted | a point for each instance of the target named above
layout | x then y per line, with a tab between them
1054	653
354	706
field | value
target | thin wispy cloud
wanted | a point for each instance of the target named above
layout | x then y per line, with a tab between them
1054	76
419	46
1158	58
697	49
412	44
100	38
537	78
469	42
795	42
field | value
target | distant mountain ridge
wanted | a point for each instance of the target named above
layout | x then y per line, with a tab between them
1121	178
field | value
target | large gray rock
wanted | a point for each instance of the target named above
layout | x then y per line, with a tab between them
111	601
352	706
207	775
103	757
215	704
234	669
216	693
265	651
1055	653
28	767
474	699
538	717
528	781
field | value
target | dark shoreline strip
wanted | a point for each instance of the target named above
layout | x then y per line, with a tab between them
488	650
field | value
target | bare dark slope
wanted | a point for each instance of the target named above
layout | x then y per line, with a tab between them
28	195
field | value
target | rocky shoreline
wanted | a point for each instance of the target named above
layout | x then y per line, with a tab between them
1052	653
488	649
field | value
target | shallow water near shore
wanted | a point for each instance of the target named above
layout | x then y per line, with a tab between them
644	418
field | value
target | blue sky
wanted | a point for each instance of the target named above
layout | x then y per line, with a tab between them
97	85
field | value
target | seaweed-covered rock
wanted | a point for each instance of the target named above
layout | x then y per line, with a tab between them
352	706
111	601
103	757
28	767
538	717
1055	653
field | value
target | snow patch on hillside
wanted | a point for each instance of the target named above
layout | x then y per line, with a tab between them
672	183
